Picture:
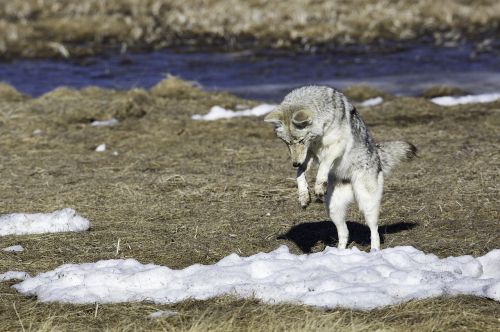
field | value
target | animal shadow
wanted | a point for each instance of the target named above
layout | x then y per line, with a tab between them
307	235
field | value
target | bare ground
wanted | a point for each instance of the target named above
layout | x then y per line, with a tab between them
181	192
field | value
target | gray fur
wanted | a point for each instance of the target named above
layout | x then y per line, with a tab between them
391	153
319	124
330	107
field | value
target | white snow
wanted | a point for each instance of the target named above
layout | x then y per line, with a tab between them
16	248
217	112
333	278
104	123
101	148
64	220
470	99
372	102
162	313
9	275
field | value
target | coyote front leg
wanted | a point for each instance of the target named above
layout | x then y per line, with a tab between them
304	196
326	160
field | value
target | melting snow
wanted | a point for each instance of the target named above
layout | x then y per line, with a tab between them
471	99
163	313
104	123
16	248
372	102
65	220
218	112
9	275
101	148
333	278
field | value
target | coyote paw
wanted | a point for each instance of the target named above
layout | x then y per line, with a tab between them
304	199
320	190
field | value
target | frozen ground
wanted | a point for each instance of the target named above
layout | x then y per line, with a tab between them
469	99
64	220
333	278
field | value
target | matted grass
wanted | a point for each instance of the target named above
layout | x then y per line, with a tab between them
34	28
181	192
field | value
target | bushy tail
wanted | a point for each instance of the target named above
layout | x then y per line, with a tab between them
391	153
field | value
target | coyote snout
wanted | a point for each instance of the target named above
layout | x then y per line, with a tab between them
292	125
298	153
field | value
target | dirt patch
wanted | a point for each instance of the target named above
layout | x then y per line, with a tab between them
32	28
178	192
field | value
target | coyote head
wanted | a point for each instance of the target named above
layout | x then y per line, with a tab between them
293	126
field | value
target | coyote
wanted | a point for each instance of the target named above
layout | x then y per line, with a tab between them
319	124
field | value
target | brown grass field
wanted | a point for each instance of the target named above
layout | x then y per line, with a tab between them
47	28
181	192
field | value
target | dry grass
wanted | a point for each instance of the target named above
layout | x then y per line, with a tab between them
181	192
8	93
64	28
228	314
361	92
443	90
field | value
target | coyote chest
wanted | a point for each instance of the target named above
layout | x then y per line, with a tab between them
338	139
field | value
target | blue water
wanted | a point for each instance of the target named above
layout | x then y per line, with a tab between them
267	75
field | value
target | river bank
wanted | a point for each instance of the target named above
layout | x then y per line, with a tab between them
65	29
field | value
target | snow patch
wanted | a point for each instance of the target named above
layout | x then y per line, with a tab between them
333	278
65	220
10	275
470	99
101	148
372	102
162	313
16	248
217	113
104	123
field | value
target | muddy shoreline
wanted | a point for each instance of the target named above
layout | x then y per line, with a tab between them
406	70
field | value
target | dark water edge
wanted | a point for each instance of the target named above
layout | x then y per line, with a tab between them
268	75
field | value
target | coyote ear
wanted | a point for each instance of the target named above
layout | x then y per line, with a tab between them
275	117
302	118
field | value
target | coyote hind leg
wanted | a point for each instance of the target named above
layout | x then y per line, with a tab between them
368	189
338	197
